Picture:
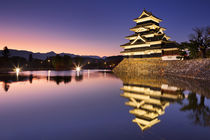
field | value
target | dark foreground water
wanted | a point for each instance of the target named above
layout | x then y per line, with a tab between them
49	105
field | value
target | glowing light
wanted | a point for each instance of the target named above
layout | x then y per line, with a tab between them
78	68
17	71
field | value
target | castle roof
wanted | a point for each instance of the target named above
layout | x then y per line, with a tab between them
146	14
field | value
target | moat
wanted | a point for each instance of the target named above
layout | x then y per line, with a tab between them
93	104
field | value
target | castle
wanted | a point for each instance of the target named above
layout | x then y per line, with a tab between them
149	40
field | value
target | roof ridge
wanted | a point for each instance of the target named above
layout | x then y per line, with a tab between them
149	13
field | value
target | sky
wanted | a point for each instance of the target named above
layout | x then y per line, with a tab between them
91	27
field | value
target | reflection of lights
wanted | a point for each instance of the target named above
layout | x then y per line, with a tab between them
105	74
88	74
78	69
78	73
48	75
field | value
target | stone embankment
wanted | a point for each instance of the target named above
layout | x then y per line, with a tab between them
196	68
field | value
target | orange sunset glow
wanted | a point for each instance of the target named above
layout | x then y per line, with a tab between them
43	41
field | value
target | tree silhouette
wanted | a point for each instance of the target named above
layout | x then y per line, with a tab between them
182	50
201	39
30	57
78	60
5	52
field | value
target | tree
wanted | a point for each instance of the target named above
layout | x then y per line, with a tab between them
200	39
57	62
78	61
5	52
182	50
30	57
193	49
67	60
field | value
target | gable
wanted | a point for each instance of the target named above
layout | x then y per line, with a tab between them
144	14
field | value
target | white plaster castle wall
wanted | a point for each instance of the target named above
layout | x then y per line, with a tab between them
170	57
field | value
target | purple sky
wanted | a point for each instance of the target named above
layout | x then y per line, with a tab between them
91	27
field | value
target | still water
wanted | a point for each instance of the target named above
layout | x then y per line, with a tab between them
64	105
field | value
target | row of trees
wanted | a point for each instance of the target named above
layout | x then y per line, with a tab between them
198	44
57	62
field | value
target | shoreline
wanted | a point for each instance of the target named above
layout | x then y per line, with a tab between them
5	71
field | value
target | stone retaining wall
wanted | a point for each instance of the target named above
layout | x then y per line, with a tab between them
197	68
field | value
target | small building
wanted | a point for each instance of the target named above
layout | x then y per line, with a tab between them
149	39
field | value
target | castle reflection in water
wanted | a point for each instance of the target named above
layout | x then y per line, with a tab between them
149	102
150	95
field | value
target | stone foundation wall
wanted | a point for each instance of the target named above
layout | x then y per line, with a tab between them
198	68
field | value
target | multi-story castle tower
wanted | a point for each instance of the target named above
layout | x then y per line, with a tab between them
149	39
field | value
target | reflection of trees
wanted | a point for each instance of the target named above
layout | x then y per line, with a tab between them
7	79
67	79
59	79
30	78
79	77
200	112
6	86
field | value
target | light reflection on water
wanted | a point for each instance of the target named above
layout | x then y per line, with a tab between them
98	105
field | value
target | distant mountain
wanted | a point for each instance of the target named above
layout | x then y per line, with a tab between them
91	56
43	56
